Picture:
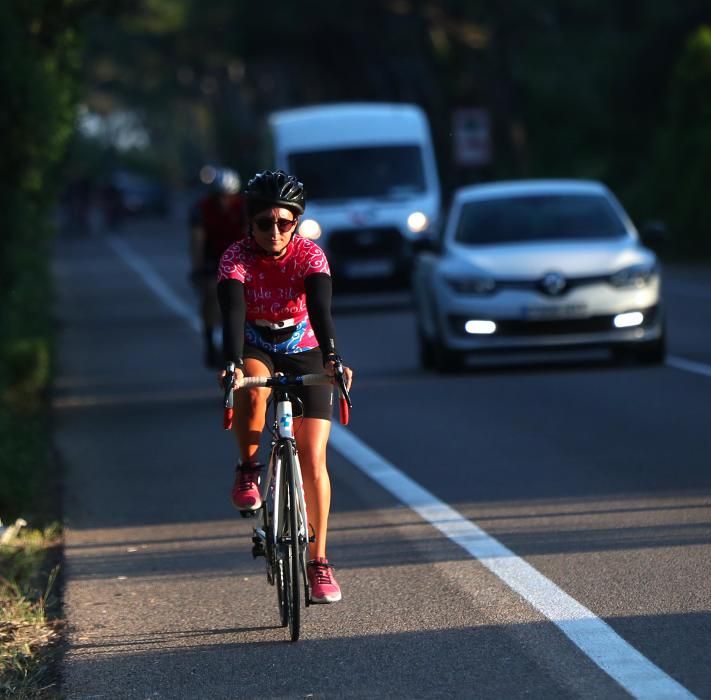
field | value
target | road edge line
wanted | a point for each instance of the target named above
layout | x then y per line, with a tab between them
594	637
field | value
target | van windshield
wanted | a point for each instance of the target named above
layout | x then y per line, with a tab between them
390	172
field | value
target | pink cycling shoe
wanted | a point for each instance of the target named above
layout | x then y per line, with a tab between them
324	587
245	492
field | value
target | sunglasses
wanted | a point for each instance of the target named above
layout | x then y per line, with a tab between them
265	223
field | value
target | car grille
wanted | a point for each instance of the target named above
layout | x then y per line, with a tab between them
511	327
536	284
366	243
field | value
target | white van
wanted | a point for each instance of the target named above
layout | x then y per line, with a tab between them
371	180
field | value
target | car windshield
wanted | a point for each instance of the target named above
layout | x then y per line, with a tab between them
538	218
381	172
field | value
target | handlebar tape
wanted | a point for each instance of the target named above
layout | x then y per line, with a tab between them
227	418
344	411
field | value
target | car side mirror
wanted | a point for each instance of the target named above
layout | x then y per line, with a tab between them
654	231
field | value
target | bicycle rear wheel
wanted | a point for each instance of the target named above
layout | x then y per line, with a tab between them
290	544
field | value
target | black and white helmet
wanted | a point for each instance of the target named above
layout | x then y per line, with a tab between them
275	189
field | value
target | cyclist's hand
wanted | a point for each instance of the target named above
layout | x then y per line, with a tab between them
239	376
347	373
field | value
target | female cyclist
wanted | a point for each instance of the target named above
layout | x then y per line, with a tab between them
274	289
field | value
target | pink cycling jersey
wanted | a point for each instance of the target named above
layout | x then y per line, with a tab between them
274	289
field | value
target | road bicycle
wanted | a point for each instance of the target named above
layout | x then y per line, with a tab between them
283	537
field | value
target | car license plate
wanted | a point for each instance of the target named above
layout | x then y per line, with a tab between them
554	313
370	268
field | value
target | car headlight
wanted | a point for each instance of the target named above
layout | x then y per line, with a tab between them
636	276
417	222
471	285
309	228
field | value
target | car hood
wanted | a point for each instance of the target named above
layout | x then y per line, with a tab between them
533	260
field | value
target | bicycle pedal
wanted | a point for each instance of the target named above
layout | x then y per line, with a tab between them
249	513
258	550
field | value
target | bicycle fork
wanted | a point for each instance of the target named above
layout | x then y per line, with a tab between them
263	541
272	498
305	537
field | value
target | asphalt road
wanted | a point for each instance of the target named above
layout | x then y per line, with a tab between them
591	486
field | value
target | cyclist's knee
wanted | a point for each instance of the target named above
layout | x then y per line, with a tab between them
254	401
313	463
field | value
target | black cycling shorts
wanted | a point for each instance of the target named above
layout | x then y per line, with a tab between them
317	400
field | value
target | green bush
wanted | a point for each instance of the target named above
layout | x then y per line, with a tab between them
39	55
25	357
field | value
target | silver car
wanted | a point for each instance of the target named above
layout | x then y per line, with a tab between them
537	264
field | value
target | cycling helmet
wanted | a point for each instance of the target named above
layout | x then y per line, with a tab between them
275	189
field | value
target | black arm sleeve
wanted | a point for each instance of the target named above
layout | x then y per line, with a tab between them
230	294
318	304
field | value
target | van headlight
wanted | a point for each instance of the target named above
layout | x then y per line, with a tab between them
417	222
310	228
635	276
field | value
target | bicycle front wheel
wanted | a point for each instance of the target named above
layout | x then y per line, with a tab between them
275	564
272	528
290	549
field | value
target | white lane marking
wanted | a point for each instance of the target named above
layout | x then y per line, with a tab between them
689	365
594	637
139	264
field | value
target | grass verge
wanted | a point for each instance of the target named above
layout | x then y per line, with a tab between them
30	623
30	609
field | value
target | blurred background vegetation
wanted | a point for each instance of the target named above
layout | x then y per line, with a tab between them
619	91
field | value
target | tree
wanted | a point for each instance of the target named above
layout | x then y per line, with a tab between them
39	54
681	171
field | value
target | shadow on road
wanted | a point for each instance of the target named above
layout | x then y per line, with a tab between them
230	662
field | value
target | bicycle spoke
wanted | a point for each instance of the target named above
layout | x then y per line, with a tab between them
293	546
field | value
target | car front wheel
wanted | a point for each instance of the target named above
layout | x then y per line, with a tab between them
447	361
425	350
653	352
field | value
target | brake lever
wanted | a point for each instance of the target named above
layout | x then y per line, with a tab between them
228	402
341	380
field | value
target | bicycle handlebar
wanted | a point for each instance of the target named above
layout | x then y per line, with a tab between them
284	381
341	382
229	404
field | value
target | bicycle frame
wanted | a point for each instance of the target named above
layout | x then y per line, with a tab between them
284	538
283	439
